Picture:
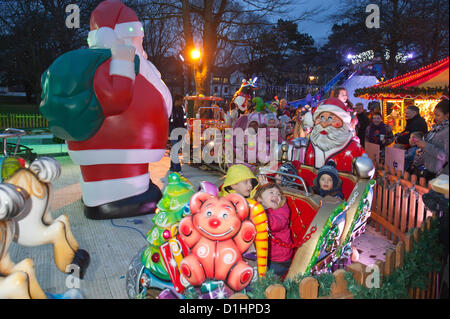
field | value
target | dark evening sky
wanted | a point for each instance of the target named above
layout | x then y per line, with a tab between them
320	26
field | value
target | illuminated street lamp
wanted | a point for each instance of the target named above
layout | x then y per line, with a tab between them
195	54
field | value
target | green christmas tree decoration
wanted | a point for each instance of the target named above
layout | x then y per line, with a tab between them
173	206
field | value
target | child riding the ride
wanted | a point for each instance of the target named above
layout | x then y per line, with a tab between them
278	213
240	179
327	182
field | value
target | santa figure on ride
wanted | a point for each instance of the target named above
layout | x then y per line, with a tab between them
331	137
130	127
244	95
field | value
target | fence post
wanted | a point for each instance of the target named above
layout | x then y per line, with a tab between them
412	207
397	210
379	198
416	235
409	243
384	212
339	287
359	272
390	216
276	291
389	264
308	288
400	254
428	223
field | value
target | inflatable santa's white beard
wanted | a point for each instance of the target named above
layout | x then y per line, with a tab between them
152	75
334	138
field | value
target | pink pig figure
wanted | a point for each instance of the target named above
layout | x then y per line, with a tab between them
217	235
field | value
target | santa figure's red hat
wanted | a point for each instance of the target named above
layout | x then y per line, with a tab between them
112	21
335	106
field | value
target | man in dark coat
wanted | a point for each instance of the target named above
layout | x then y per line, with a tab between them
414	123
363	122
177	120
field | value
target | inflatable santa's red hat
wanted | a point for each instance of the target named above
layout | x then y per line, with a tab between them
111	22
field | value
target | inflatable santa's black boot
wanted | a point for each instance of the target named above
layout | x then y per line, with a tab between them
138	205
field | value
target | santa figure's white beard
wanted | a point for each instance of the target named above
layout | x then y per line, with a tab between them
336	137
152	75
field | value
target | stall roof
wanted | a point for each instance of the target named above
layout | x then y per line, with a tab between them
203	98
428	82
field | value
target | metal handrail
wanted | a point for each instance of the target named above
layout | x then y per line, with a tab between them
264	171
12	132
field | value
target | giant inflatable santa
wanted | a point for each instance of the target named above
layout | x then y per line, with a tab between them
112	107
332	138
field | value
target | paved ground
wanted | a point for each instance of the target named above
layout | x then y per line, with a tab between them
112	245
372	246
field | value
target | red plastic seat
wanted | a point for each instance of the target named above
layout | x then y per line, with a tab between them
309	173
303	210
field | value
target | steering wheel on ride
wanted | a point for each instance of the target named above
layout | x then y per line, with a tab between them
287	175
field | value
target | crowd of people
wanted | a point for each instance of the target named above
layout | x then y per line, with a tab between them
426	152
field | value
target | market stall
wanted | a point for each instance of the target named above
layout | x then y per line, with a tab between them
423	87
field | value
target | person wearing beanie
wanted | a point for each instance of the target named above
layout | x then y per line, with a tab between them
332	138
327	182
133	121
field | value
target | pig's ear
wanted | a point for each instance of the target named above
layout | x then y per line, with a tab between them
240	203
197	201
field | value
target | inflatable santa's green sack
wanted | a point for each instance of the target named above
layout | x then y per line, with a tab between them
68	99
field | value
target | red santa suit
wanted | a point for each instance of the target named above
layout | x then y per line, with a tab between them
114	162
343	154
343	157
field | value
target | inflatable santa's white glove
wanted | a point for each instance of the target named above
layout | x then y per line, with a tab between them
12	200
122	62
123	52
47	169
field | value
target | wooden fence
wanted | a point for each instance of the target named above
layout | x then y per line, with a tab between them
308	287
397	204
22	121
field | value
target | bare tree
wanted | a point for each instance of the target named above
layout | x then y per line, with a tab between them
32	35
219	28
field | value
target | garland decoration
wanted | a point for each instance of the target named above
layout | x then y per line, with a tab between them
424	92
